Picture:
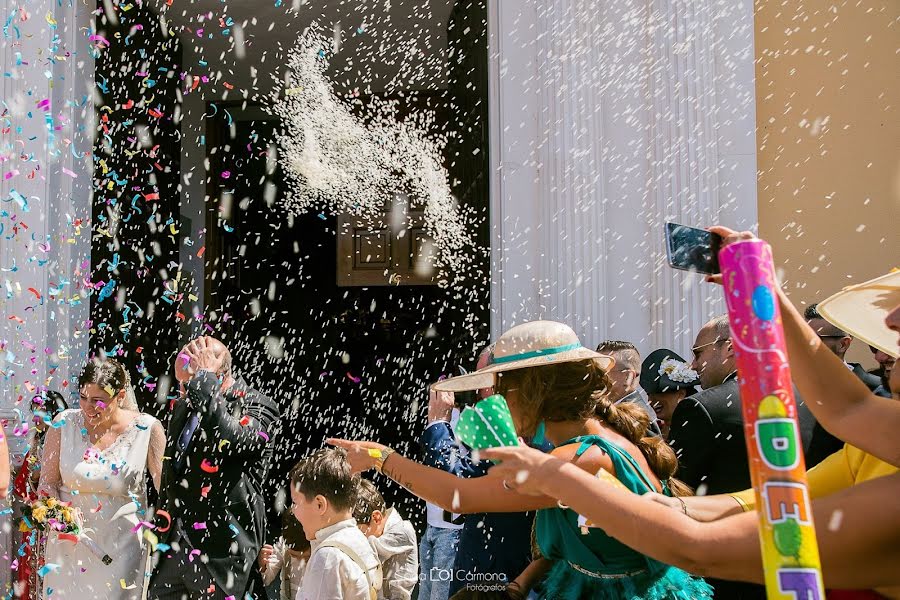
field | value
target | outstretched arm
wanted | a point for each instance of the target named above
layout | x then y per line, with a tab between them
861	553
842	403
459	495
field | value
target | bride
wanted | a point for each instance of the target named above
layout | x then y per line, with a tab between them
96	458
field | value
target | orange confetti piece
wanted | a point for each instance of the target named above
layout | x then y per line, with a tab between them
162	513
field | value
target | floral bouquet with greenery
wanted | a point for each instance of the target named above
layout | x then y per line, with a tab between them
50	514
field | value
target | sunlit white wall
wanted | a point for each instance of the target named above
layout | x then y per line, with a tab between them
608	119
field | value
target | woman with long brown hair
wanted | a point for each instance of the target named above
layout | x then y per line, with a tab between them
551	382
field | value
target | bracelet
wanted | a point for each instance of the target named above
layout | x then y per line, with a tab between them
683	506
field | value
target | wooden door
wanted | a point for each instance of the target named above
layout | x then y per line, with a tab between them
393	249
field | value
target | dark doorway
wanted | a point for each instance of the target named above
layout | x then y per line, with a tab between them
135	226
348	361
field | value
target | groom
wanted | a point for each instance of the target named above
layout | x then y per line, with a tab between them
211	515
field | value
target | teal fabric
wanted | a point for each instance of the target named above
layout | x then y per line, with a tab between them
629	574
535	353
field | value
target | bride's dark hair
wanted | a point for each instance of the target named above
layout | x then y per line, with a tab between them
106	373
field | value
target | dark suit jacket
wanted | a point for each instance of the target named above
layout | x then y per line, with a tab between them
218	495
707	434
496	543
824	444
872	381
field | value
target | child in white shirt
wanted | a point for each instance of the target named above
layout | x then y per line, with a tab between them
392	538
342	564
288	557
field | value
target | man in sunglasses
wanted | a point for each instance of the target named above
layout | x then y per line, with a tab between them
838	342
707	430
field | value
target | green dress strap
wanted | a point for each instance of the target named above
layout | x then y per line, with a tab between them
619	457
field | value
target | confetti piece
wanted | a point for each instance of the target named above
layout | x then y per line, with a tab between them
208	468
200	525
162	513
47	568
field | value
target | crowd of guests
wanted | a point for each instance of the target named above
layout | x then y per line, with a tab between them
632	480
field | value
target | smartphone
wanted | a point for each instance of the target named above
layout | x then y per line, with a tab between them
692	249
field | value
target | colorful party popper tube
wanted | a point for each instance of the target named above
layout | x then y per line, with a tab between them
787	535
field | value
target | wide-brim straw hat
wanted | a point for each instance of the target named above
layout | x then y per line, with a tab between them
861	309
532	344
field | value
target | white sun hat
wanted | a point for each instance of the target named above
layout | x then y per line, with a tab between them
531	344
861	309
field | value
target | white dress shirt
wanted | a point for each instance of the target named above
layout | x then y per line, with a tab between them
398	551
291	570
331	574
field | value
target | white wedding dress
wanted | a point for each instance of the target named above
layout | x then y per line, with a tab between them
109	487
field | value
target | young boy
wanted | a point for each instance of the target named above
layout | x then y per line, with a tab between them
342	565
392	538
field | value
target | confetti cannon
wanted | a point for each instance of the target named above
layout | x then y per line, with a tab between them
787	535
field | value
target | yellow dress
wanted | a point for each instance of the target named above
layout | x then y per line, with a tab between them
848	467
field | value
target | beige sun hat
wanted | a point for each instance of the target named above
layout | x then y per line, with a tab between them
861	309
530	344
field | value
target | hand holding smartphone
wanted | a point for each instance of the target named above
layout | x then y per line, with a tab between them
692	249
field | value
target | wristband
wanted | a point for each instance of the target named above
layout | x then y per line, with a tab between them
380	456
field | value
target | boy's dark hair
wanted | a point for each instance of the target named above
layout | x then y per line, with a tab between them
368	500
327	473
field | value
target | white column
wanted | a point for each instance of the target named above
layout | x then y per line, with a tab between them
48	164
608	118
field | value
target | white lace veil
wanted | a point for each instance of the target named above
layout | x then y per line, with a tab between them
129	402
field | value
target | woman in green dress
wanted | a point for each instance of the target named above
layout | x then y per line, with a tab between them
554	384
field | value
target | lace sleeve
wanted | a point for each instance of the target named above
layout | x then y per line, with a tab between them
51	480
155	452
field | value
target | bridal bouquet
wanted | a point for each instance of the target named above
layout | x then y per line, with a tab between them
51	514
